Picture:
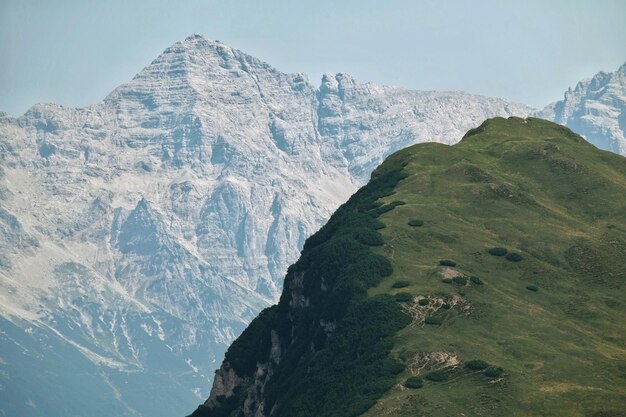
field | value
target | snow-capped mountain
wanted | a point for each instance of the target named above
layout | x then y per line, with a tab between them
596	109
139	235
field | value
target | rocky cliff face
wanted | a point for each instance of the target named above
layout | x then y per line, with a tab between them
596	109
141	234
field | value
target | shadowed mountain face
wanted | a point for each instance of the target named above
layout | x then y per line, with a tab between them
144	232
479	279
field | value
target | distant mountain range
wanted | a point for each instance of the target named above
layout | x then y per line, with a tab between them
140	235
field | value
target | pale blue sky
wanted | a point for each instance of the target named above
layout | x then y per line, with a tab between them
74	52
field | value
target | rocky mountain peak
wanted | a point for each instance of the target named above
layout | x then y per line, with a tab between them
596	109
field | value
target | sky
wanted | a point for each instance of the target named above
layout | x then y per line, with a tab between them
74	52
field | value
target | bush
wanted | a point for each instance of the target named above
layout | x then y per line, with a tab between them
383	209
434	321
533	288
437	376
369	237
423	302
476	365
514	257
403	297
446	306
398	203
416	223
447	262
498	251
447	280
400	284
460	280
377	224
475	280
414	382
494	372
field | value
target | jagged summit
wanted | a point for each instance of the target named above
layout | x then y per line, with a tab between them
595	109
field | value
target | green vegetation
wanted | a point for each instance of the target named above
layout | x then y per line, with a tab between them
494	372
476	365
377	224
416	223
434	320
525	183
447	262
403	297
369	237
513	257
475	280
460	280
535	189
423	302
414	382
401	284
498	251
532	288
439	375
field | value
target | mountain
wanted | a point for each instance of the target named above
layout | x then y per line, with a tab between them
140	235
479	279
596	109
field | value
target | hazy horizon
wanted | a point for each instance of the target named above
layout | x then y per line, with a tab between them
75	54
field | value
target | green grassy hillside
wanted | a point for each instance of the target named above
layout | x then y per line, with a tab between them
481	279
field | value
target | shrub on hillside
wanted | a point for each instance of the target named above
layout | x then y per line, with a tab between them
447	262
414	382
382	210
416	223
475	280
460	280
533	288
513	257
476	365
433	321
437	376
498	251
369	237
423	302
400	284
446	306
377	224
447	280
403	297
494	372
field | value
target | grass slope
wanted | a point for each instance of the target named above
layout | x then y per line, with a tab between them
551	326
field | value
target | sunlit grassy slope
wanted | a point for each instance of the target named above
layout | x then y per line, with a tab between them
554	322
